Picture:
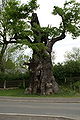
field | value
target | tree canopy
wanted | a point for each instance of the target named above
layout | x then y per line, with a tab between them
15	22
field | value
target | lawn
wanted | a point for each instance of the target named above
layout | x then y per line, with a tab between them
20	93
11	92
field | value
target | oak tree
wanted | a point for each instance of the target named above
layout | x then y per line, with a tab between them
23	27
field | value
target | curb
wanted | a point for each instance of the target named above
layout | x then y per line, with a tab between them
37	101
37	116
41	100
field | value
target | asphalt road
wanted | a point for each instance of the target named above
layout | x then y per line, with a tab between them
71	110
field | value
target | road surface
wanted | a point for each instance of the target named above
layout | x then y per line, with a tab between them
71	110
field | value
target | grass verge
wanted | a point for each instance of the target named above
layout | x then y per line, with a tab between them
20	93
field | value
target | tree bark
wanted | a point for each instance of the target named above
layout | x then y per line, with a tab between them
42	80
2	68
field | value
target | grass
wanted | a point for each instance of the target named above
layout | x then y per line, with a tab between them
11	92
15	93
20	93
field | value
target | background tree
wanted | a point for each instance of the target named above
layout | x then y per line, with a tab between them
16	73
73	55
40	39
59	73
12	25
72	67
68	73
12	28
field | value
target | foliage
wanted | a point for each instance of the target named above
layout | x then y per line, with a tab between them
39	47
69	69
73	55
16	18
59	73
14	22
76	86
72	63
9	65
64	73
72	68
21	59
16	78
13	76
70	15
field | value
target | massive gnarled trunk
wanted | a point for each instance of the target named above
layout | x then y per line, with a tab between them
42	80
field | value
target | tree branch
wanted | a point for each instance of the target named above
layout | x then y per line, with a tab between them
1	34
62	36
11	42
3	49
1	43
50	43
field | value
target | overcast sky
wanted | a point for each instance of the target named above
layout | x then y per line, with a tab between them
46	18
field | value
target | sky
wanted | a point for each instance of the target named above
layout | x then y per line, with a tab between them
46	18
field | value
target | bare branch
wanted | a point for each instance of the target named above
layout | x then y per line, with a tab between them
62	36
